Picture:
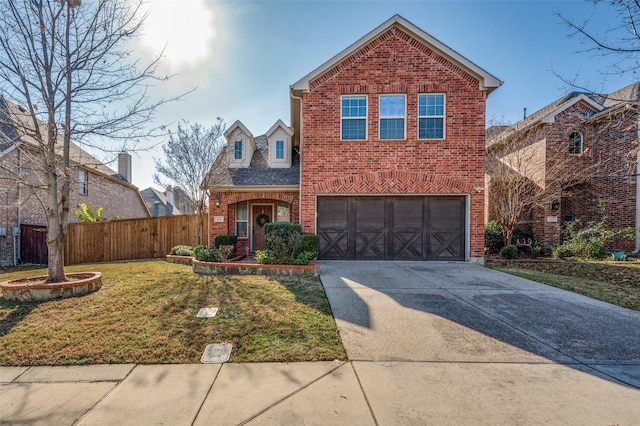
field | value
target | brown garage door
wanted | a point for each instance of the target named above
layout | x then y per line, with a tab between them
392	228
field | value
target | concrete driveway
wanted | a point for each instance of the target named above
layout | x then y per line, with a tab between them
457	341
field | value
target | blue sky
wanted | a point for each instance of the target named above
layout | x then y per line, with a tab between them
241	56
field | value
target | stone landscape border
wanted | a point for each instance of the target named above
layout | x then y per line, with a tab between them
233	267
35	289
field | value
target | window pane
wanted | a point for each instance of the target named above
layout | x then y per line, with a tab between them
392	106
241	211
279	150
354	106
575	143
284	212
431	128
237	150
241	229
429	105
392	128
354	129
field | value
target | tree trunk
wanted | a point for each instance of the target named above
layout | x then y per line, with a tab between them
55	231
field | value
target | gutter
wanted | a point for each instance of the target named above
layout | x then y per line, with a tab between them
637	249
299	99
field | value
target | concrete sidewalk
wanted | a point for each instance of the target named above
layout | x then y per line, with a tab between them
428	343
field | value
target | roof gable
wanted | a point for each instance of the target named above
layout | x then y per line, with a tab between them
279	124
486	80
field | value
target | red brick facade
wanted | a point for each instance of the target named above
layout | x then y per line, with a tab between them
395	63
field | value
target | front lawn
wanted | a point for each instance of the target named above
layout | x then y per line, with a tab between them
145	313
613	282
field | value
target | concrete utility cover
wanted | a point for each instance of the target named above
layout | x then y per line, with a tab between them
216	353
207	312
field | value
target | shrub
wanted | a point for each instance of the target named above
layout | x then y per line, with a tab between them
265	257
225	252
303	258
206	254
536	251
509	252
182	251
282	239
309	243
493	237
226	240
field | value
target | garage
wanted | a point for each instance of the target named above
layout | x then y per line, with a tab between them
391	227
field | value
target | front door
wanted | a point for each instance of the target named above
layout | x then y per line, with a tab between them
260	214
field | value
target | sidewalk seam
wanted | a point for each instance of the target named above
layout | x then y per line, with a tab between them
364	393
207	395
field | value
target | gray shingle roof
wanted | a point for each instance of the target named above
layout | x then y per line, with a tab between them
258	173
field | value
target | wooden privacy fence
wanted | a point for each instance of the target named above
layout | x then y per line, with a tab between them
130	239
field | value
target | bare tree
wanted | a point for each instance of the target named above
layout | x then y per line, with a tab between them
189	155
67	73
619	42
526	174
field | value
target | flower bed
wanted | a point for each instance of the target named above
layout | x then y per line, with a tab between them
242	268
183	260
35	289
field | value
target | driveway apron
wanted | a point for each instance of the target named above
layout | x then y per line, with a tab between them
482	345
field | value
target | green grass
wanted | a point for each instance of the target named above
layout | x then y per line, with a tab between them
617	293
145	313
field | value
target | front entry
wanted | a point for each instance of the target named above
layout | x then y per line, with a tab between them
260	214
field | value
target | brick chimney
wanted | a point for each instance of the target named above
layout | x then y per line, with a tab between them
124	166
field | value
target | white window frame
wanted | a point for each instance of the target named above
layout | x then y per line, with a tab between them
392	117
280	142
443	116
245	220
83	182
235	150
365	118
581	141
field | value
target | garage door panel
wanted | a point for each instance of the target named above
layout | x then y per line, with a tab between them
392	227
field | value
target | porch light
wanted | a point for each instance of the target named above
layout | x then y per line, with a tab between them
217	201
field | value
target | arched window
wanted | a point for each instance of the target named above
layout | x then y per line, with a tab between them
575	143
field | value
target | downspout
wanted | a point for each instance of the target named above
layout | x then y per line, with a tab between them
299	98
18	208
637	249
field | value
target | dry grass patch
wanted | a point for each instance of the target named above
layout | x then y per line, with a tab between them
145	313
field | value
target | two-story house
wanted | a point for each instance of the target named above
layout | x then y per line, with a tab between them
594	141
384	158
23	196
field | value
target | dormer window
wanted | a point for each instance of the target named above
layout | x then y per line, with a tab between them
279	150
575	143
237	150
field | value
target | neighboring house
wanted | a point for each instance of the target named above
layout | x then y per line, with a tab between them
94	184
595	139
384	158
172	202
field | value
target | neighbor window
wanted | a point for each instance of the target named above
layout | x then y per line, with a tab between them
431	116
575	143
279	150
82	182
237	150
353	113
241	219
392	116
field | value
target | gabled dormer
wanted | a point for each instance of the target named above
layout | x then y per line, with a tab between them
279	142
240	145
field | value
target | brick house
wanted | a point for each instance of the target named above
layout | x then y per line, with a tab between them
384	158
595	139
94	184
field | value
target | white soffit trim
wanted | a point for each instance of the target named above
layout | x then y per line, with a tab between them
487	81
234	126
550	118
279	124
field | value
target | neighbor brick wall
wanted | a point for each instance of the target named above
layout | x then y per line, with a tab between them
395	63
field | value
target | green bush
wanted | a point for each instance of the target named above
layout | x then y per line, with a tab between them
225	252
182	251
206	254
536	251
309	243
282	239
303	258
493	240
226	240
509	252
264	257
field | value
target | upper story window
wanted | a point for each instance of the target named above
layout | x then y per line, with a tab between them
353	118
431	109
82	183
575	143
392	116
237	150
279	150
